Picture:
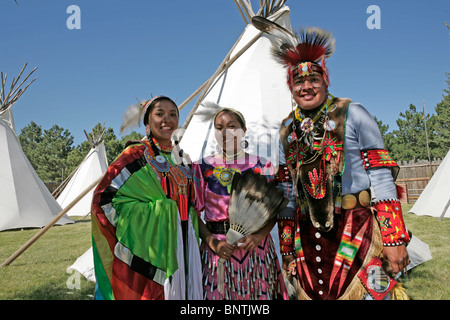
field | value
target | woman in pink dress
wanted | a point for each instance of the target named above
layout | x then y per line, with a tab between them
252	270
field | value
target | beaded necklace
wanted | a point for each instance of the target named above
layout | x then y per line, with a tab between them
181	175
165	152
316	138
309	133
231	158
310	126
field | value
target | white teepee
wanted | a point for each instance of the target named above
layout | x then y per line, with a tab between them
248	80
25	201
85	265
91	168
435	198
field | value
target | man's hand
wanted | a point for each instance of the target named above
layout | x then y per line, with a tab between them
289	265
397	256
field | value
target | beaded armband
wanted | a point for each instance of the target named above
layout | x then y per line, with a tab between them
377	158
286	234
390	216
283	174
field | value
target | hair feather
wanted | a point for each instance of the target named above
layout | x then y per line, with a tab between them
207	111
132	117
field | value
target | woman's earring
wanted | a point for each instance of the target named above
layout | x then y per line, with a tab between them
147	130
244	144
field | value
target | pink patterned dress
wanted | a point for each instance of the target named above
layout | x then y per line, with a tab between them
249	275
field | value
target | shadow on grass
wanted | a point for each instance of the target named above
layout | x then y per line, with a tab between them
50	292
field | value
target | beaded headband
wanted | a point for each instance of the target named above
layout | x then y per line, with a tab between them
146	106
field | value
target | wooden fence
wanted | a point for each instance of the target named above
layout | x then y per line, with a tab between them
414	176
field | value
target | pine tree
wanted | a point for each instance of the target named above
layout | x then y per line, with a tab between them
441	124
409	141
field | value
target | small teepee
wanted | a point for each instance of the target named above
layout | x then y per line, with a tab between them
434	200
25	202
91	168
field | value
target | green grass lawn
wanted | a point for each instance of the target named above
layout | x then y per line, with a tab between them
430	280
40	272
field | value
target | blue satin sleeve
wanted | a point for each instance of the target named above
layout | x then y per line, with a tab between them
362	133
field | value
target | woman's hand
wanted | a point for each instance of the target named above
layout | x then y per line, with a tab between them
222	248
249	242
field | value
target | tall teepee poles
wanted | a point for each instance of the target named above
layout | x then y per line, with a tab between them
267	7
95	138
245	8
14	93
27	244
240	11
225	65
444	211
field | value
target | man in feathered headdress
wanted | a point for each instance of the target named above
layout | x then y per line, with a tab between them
346	237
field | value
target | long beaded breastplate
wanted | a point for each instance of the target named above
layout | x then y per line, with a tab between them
314	145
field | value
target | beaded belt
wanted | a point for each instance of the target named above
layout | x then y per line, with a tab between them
356	200
218	227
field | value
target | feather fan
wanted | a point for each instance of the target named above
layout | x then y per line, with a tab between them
253	202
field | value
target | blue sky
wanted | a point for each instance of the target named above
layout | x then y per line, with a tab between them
128	49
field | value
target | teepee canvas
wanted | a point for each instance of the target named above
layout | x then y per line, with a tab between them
253	84
85	265
434	200
91	168
25	201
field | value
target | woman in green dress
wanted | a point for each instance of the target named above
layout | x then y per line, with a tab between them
144	229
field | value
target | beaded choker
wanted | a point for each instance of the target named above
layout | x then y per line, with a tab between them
233	156
230	158
161	148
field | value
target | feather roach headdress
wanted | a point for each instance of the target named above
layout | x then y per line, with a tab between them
304	53
253	202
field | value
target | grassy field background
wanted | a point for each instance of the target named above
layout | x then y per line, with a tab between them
40	272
